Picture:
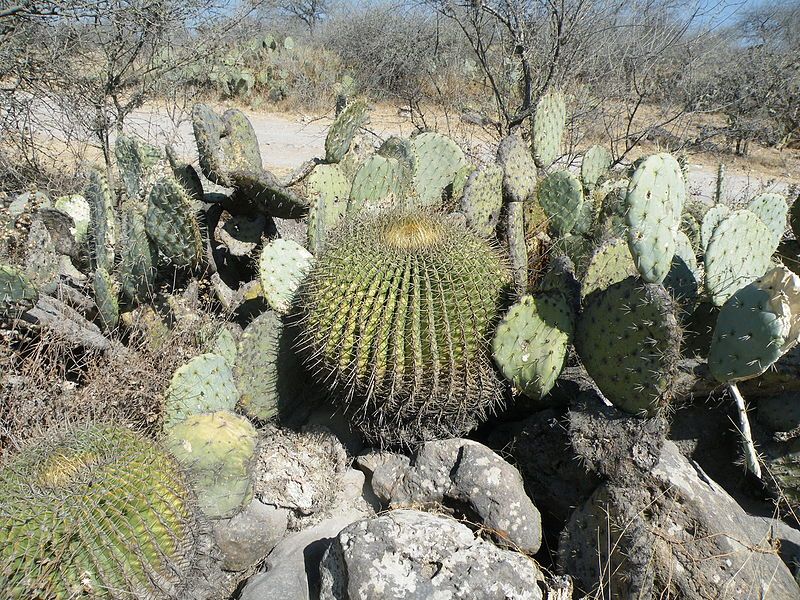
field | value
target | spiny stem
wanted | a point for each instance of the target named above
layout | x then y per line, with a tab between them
750	455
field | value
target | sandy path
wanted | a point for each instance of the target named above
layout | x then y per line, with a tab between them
286	141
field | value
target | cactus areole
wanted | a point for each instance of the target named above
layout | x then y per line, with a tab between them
397	317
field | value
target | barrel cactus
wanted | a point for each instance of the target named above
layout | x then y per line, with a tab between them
97	511
397	313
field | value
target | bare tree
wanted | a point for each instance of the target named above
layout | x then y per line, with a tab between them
310	12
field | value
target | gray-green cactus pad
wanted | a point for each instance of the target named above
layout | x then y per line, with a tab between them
561	196
17	293
204	384
530	344
629	341
344	128
519	169
437	160
595	164
549	122
610	264
172	224
738	252
654	204
327	189
281	268
772	210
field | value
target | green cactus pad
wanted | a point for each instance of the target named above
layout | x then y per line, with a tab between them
691	228
629	339
519	170
401	150
76	207
98	511
654	204
549	122
328	190
132	164
344	128
561	196
224	343
610	264
103	225
264	190
713	217
138	254
267	370
459	183
757	325
379	183
225	144
594	166
185	175
771	209
738	252
482	199
517	246
437	160
171	223
684	278
204	384
217	451
530	344
17	292
397	314
281	267
105	296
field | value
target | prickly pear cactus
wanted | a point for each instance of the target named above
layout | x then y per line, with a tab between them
654	204
437	159
561	196
772	210
138	254
685	277
217	451
519	170
134	159
530	344
328	189
281	267
483	199
76	207
595	164
629	340
738	252
17	292
517	246
171	223
204	384
380	183
343	130
267	370
103	225
549	122
98	511
610	264
757	325
185	175
106	292
713	217
396	317
224	144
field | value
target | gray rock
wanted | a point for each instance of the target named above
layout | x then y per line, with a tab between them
673	533
247	538
465	475
409	554
293	565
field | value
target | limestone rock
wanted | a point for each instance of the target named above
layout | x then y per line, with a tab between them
409	554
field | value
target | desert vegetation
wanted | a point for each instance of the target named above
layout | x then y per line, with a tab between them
522	322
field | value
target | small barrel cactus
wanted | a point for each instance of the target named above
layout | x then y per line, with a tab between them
397	317
98	511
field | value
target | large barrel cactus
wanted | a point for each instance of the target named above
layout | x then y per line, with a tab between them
397	318
98	511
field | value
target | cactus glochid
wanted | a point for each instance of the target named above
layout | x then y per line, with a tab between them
397	314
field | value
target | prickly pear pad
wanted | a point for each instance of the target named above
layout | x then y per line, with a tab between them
654	203
530	344
397	313
738	252
549	122
756	326
772	210
629	341
713	217
611	263
561	196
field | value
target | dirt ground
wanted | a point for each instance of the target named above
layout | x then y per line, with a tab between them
287	140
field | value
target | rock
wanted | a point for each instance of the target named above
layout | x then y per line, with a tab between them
407	554
299	471
674	533
248	537
463	475
293	565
